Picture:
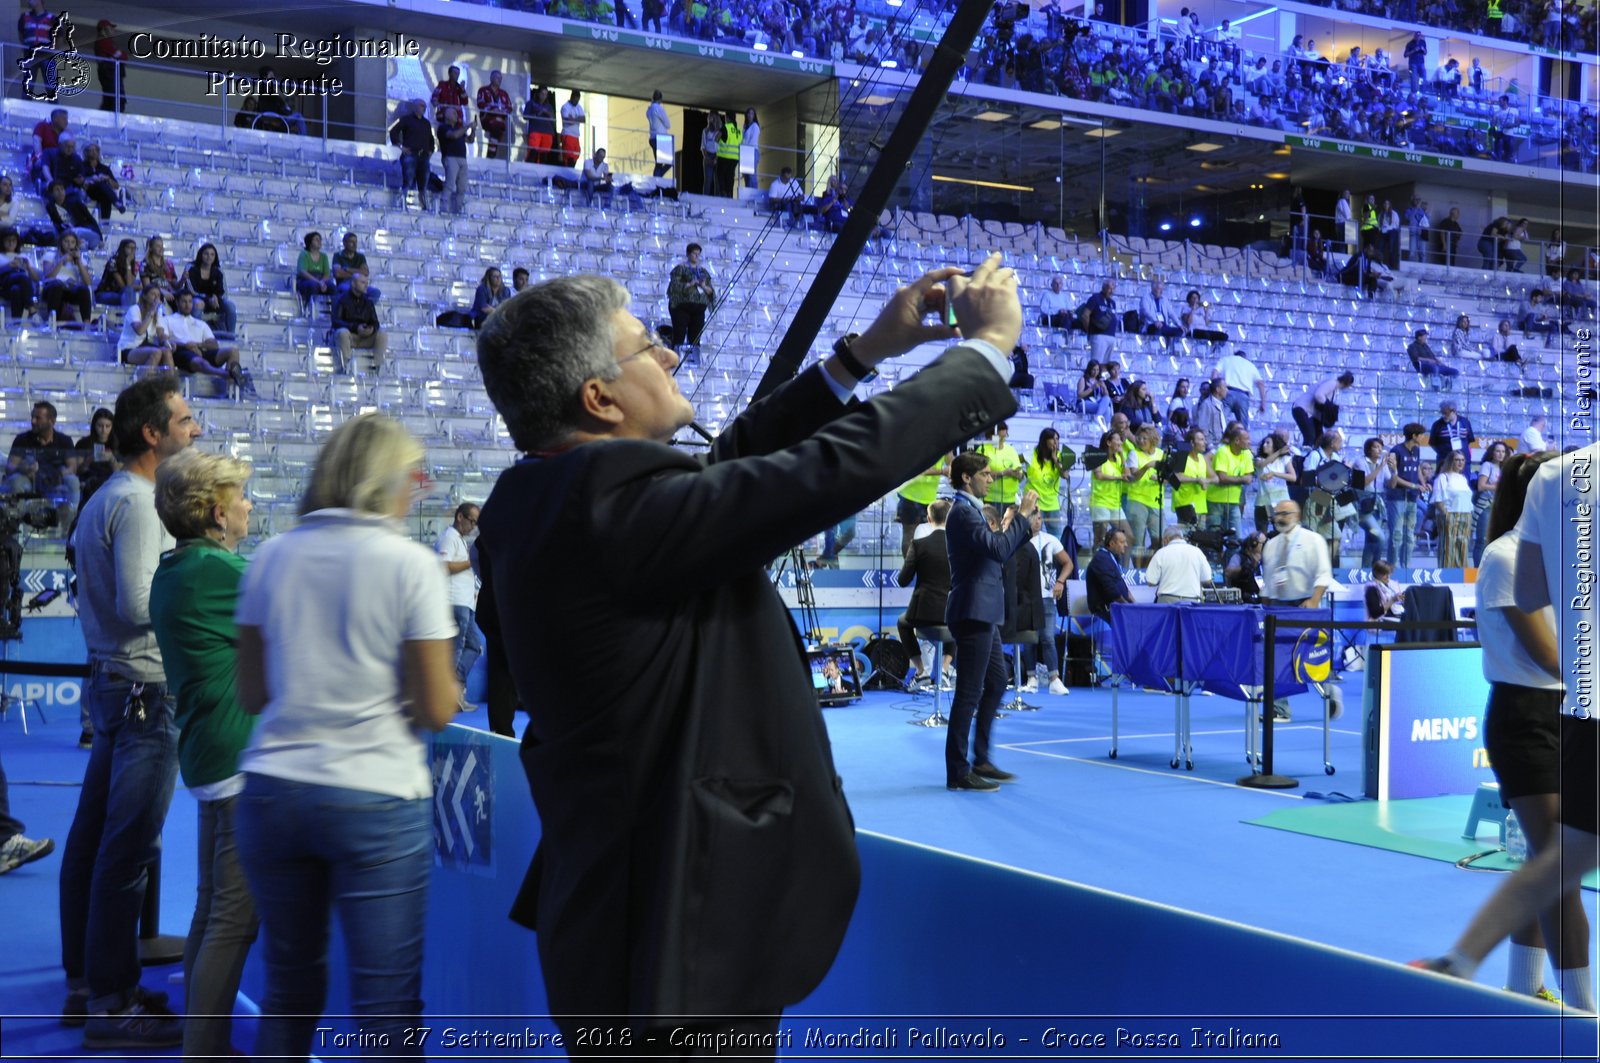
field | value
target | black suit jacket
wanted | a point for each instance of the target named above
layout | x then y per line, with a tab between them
1104	584
928	561
697	854
977	587
1024	595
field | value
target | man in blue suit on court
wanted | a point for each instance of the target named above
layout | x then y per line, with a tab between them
973	613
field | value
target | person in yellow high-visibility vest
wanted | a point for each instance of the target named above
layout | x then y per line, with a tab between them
1004	462
1105	487
1042	475
1189	497
1144	489
728	157
1233	466
914	498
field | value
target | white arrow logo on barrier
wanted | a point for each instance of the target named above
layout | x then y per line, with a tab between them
455	801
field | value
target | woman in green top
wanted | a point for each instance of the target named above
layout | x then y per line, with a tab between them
1143	504
201	501
313	273
1105	488
1189	497
1042	476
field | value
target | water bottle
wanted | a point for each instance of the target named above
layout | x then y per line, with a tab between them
1516	841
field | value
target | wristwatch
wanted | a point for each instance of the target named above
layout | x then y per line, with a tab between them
851	363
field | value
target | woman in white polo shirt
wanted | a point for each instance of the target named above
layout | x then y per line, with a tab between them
346	644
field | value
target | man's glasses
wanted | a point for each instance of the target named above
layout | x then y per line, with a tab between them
657	347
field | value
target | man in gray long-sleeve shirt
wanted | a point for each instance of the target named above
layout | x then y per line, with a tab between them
133	761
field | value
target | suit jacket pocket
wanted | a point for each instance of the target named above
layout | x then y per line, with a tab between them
756	802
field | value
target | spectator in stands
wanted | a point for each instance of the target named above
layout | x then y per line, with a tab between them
273	112
752	140
1093	399
1317	408
1116	387
690	292
1366	271
1055	306
313	272
453	551
1318	259
729	139
205	281
19	277
1193	477
572	119
1105	485
46	136
347	714
38	458
119	281
1242	377
1140	406
356	327
1452	504
1450	238
786	196
1450	433
1555	253
68	215
1179	570
1511	251
1211	412
1021	377
1461	344
449	94
1103	579
1575	297
1424	361
492	291
100	184
597	177
1484	487
494	117
833	209
1157	315
1344	226
98	458
1180	397
111	68
143	340
519	280
1197	320
68	284
158	271
1533	439
201	501
347	262
1502	344
195	348
8	202
1274	473
1489	243
1406	483
660	124
540	114
710	139
1540	314
1389	234
453	139
412	134
1372	465
1232	470
1419	224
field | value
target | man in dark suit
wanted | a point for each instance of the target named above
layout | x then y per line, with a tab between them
697	856
973	614
1103	580
927	562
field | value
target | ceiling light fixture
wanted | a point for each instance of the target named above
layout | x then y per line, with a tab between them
1045	123
1205	146
1103	133
990	116
876	100
982	184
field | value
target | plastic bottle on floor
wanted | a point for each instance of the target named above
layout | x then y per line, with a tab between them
1516	841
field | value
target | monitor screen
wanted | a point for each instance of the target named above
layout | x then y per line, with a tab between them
834	675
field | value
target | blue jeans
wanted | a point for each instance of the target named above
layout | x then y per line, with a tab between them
837	538
116	833
1402	516
227	314
1238	404
308	849
1223	516
414	174
1141	519
220	935
1046	649
469	644
1377	537
1480	524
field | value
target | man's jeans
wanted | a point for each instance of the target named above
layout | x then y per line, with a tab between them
308	850
1377	536
220	935
414	174
116	833
1402	519
1238	404
469	644
1225	516
1045	651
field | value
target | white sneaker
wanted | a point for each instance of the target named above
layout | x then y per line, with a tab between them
1058	687
1031	687
18	850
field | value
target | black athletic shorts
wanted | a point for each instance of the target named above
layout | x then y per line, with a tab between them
1522	732
1580	794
